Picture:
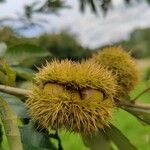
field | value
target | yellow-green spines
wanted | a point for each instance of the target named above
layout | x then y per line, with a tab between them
69	111
56	72
122	65
73	96
78	75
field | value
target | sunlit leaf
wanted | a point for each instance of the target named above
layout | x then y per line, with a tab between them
97	141
119	139
140	113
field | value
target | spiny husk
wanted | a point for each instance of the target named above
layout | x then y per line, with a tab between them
78	75
61	72
122	65
74	96
68	110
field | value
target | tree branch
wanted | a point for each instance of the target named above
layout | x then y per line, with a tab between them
14	91
127	103
119	103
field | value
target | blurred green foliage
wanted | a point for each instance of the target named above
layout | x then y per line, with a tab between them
12	38
61	46
147	74
138	43
64	45
1	135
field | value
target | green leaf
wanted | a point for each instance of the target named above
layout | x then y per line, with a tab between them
140	113
97	142
33	140
119	139
1	135
16	104
3	78
24	73
25	54
11	75
7	75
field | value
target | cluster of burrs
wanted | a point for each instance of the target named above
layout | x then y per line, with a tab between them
79	97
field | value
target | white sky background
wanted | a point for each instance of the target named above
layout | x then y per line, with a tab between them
92	31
